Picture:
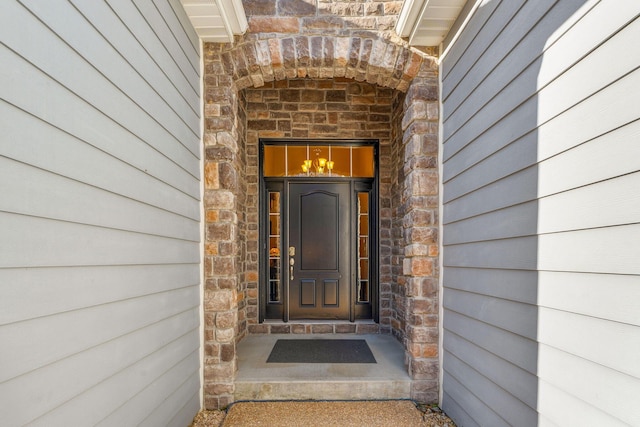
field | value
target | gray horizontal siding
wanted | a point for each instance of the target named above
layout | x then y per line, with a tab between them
89	163
541	173
99	214
29	293
509	410
57	243
150	32
508	376
511	98
521	351
71	200
42	48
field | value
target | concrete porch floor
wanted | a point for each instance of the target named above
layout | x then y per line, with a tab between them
258	380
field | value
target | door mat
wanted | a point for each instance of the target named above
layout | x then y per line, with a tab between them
321	351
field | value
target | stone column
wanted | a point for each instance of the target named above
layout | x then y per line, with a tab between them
419	212
221	232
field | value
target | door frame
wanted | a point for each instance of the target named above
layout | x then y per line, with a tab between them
280	311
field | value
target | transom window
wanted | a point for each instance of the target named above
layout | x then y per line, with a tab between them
319	161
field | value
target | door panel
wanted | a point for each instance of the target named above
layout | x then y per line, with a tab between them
319	230
319	227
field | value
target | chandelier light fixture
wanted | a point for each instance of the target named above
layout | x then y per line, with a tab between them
319	164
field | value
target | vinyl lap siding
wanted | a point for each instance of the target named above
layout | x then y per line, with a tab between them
99	214
541	171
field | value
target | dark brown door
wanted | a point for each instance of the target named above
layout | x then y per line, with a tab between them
319	233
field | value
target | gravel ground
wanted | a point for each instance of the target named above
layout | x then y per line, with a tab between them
397	413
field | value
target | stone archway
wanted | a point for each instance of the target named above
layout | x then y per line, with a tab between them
363	58
409	266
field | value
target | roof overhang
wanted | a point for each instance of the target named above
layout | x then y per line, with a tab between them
216	20
427	22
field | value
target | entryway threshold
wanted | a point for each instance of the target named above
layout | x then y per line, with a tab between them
258	380
305	327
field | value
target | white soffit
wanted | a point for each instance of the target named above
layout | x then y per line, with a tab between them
427	22
216	20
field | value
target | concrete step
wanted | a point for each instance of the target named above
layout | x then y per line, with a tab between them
323	390
258	380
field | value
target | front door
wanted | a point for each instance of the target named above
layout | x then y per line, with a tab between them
319	252
319	237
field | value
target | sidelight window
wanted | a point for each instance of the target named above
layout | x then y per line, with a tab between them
275	240
363	247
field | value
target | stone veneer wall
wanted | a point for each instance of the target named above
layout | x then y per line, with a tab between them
414	230
395	281
222	276
307	108
346	45
246	253
415	213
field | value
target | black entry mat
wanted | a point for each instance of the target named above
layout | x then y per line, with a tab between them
321	351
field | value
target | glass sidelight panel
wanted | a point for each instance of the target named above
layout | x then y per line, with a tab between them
363	291
275	246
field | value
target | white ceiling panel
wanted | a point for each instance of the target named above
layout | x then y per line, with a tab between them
216	20
427	22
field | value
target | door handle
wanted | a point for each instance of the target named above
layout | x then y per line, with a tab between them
292	261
